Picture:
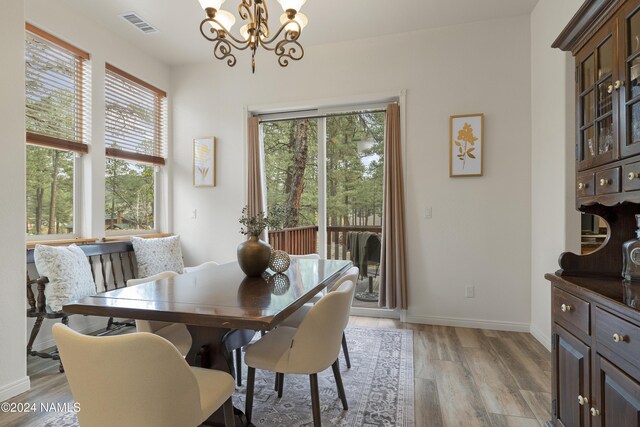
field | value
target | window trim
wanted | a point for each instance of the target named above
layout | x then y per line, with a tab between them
76	208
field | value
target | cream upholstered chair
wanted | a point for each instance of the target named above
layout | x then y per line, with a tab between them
309	349
296	318
202	266
176	333
145	379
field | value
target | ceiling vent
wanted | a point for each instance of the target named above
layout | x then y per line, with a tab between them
137	21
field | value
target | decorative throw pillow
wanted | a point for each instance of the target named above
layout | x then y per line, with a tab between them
157	255
68	271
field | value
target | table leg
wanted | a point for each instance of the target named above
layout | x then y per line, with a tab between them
209	349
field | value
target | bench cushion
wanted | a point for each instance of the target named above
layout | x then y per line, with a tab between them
157	255
68	271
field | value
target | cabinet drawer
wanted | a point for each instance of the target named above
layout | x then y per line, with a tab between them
585	185
620	336
571	312
631	177
608	181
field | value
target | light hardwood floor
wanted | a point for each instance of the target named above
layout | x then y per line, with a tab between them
463	377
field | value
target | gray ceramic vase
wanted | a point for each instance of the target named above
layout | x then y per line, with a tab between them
253	256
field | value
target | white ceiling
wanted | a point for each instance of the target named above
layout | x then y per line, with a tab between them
179	40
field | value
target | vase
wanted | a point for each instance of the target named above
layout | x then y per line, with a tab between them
253	256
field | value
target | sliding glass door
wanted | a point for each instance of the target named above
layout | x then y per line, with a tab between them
324	177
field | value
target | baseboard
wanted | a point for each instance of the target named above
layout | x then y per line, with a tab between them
469	323
374	312
544	339
15	388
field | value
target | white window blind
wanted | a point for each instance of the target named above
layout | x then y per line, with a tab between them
58	82
136	118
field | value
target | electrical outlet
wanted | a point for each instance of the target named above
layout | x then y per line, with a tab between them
469	292
428	213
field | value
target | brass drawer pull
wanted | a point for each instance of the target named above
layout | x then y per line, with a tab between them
610	89
619	338
583	400
633	175
604	182
594	412
565	307
618	84
581	186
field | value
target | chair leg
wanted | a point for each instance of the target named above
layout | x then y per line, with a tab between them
315	399
338	377
65	321
229	416
280	384
275	385
239	367
34	333
345	350
251	378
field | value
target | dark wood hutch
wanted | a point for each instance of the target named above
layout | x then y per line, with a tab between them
595	315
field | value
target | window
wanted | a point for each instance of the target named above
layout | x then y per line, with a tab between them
291	157
136	143
57	77
350	148
324	175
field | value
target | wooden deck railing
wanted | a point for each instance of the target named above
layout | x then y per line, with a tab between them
304	240
337	239
295	241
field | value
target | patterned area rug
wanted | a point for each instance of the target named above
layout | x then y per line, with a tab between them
379	388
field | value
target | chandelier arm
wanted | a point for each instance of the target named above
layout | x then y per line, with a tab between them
264	12
222	51
244	10
284	52
293	34
242	44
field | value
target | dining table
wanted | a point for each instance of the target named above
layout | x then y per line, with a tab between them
221	307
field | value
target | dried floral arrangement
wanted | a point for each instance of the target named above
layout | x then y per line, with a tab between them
252	225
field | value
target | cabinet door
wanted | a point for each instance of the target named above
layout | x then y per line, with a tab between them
618	397
571	361
598	99
629	18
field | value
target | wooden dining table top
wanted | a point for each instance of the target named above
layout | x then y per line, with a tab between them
218	296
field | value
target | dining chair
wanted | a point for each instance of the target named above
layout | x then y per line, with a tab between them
143	382
176	333
308	349
237	363
298	316
202	266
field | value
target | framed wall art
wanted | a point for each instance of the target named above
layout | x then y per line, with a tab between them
466	142
204	162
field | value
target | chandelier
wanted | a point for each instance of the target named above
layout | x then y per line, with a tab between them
255	33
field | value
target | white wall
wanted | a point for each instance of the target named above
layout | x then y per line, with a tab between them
57	18
480	231
13	369
555	224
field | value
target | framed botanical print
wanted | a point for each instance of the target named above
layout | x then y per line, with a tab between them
204	162
466	143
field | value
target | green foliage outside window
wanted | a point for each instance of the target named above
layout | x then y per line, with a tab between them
49	191
128	195
354	162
